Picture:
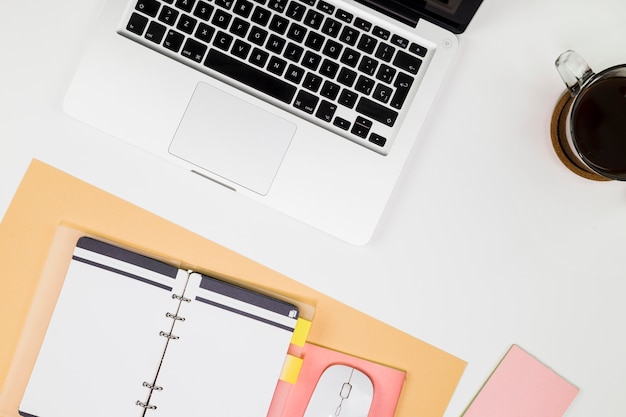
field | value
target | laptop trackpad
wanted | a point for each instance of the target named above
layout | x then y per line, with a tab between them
232	138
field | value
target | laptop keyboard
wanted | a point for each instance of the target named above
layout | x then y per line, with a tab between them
310	57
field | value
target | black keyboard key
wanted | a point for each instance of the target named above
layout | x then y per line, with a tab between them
377	139
250	76
331	27
332	49
312	82
330	90
243	8
361	127
221	19
325	7
193	50
382	93
329	68
348	98
149	7
259	57
314	41
155	32
168	15
385	52
296	32
345	16
275	44
295	11
257	35
386	73
277	65
173	40
364	85
376	111
367	44
313	19
418	50
311	60
185	5
227	4
260	16
326	111
279	24
341	123
186	24
381	33
407	62
223	40
293	52
278	5
347	77
294	73
205	32
350	57
362	24
349	35
203	10
368	65
403	85
400	41
305	102
309	2
137	24
239	27
241	49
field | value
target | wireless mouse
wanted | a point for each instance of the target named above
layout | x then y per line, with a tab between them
341	391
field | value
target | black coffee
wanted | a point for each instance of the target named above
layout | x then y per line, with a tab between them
599	128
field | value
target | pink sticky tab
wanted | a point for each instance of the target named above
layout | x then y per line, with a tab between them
521	386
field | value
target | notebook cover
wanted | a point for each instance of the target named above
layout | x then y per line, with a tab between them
522	386
48	198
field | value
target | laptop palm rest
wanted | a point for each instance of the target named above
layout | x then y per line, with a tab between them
232	138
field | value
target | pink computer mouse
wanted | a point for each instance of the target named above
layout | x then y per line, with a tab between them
342	391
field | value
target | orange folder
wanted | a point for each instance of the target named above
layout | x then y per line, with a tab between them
48	198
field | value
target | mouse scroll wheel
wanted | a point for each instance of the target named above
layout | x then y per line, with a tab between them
345	390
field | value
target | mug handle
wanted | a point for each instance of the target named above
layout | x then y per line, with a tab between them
573	70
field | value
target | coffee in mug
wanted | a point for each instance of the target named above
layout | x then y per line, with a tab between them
595	124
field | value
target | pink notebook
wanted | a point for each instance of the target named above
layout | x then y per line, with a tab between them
521	386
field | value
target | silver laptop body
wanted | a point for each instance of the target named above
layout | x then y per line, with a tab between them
161	75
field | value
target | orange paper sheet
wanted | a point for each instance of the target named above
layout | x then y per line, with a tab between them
48	198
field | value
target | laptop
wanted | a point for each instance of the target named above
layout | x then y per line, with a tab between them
308	106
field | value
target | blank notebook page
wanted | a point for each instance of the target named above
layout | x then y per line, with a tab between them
103	339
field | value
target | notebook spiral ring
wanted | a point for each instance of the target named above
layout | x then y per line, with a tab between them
174	316
168	335
152	386
181	298
147	406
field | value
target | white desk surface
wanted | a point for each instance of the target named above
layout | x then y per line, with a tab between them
487	241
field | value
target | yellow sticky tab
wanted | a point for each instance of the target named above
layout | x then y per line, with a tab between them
301	332
291	369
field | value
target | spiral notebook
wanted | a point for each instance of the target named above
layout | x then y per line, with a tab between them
131	335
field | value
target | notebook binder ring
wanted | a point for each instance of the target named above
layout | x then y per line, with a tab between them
147	406
174	316
168	335
152	386
181	298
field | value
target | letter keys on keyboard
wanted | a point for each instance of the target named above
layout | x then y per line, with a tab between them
322	63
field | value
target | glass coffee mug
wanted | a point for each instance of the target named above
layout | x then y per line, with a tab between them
595	124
